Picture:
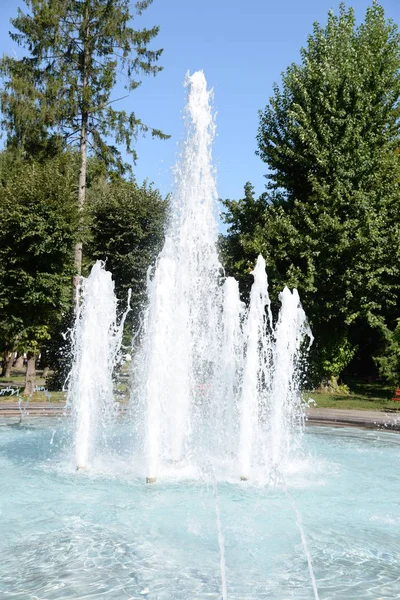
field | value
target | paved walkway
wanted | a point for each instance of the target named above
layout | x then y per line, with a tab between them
31	409
372	419
37	409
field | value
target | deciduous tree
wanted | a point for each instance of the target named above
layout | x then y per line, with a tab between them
331	224
127	231
39	227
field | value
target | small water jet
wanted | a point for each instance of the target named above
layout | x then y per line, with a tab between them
286	415
96	340
231	364
258	365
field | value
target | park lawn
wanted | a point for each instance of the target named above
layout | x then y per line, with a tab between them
363	396
18	381
353	401
37	397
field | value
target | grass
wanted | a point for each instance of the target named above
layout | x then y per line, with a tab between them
363	396
18	381
55	397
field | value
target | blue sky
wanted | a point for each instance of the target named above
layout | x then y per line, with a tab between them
243	46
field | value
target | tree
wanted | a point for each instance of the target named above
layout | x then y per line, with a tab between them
127	231
389	361
39	227
62	90
125	225
238	251
331	227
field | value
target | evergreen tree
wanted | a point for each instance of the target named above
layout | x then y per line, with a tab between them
62	89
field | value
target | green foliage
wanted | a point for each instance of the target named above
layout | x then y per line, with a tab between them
39	222
127	231
331	221
335	355
60	94
389	362
58	352
63	87
238	250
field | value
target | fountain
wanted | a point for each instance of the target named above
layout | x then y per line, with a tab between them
216	385
182	325
215	400
257	368
216	382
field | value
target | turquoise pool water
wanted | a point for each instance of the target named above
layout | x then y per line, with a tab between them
106	534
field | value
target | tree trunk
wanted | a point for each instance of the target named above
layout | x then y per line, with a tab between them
7	363
81	201
19	363
331	385
30	375
83	155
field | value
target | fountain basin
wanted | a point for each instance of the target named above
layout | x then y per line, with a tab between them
104	533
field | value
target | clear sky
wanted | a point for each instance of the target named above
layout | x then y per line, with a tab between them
243	46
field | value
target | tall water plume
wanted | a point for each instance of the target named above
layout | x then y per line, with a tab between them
96	340
182	324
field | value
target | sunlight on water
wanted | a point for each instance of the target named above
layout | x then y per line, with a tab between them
104	533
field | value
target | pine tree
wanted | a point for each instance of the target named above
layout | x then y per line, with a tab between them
62	90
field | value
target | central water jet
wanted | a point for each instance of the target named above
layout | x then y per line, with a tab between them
182	324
